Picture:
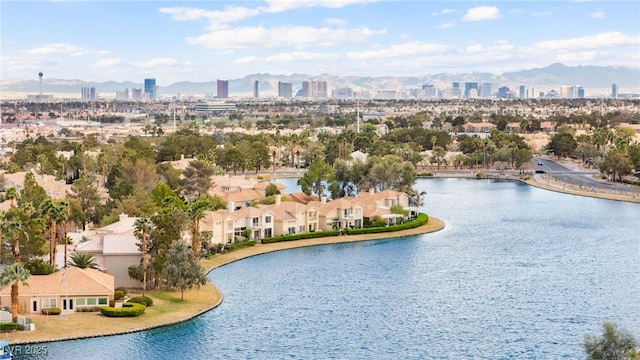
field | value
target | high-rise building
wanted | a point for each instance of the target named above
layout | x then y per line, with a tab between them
521	94
580	92
504	92
150	88
306	89
614	91
256	89
467	88
486	90
285	90
455	85
223	89
88	93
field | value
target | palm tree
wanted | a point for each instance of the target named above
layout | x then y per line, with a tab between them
63	217
13	275
195	211
51	210
12	195
16	229
83	261
143	226
3	224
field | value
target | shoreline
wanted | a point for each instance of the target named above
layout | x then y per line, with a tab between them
29	337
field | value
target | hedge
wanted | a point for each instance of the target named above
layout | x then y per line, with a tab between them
144	300
51	311
128	309
310	235
8	326
239	245
419	221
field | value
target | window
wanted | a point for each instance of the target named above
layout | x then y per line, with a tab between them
256	221
292	230
49	303
267	219
80	301
301	228
103	301
91	301
267	233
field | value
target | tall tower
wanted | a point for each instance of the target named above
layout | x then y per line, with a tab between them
614	91
223	89
256	89
150	88
40	75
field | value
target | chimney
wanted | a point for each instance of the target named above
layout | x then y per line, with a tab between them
278	199
372	191
323	200
231	206
122	216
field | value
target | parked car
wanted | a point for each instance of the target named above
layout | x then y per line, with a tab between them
540	163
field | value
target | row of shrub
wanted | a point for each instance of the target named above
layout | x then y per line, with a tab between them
144	300
301	236
128	309
88	308
239	245
8	326
419	221
51	311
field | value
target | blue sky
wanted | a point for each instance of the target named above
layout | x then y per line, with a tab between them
208	40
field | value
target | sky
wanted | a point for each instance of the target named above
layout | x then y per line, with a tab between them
174	41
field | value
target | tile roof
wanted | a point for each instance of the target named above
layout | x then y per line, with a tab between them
76	282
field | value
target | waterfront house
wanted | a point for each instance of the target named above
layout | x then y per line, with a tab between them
69	289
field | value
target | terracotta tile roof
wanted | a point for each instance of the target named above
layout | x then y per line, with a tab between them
76	282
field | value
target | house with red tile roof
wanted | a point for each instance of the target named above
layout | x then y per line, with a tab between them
69	289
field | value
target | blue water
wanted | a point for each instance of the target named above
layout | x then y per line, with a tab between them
518	273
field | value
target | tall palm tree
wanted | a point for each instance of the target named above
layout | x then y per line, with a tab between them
16	229
12	195
13	275
195	211
143	226
63	217
51	212
83	261
3	224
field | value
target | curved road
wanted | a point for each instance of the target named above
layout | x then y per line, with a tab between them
579	177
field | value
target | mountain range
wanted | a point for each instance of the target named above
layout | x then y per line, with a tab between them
546	78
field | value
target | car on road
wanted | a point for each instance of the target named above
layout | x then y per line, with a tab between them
540	163
540	171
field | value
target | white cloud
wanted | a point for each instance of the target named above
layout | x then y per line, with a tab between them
301	56
158	62
229	14
446	25
602	40
335	21
294	36
599	14
442	12
274	6
542	13
108	62
400	50
482	13
64	49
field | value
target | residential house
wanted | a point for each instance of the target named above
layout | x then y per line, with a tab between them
380	204
339	213
69	289
291	217
115	250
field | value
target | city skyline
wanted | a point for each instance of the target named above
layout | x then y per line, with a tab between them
192	41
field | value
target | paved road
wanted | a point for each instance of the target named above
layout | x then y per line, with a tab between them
578	176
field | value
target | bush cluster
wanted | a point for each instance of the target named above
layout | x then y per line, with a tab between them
118	295
144	300
239	245
419	221
51	311
8	326
128	309
88	308
310	235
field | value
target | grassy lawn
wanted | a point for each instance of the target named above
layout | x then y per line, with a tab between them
167	308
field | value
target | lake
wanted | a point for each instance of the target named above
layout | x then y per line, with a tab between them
517	273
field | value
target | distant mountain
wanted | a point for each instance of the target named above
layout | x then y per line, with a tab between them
549	77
